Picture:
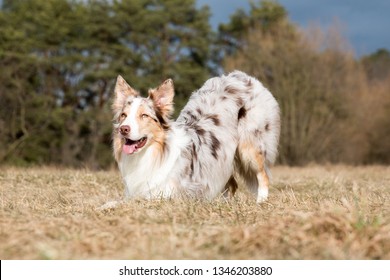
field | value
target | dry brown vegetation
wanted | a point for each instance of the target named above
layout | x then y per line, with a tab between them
333	212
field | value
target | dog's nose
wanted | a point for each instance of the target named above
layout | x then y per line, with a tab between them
124	129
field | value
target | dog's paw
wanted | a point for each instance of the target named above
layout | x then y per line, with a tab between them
262	195
109	205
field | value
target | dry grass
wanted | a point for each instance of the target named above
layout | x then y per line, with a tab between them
316	212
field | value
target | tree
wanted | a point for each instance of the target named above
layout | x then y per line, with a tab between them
263	15
59	60
311	83
377	106
377	65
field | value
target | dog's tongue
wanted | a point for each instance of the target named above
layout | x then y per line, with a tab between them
132	146
129	149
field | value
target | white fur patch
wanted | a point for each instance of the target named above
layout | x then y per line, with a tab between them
132	121
145	177
262	195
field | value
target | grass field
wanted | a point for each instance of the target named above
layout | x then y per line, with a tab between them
319	212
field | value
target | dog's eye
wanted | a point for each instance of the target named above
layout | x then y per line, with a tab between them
123	115
144	116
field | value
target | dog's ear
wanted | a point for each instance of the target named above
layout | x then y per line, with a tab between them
162	97
122	91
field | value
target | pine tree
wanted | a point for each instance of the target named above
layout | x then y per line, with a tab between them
59	60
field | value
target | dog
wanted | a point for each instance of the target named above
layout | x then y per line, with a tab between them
226	136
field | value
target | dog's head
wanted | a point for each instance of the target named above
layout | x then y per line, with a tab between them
140	122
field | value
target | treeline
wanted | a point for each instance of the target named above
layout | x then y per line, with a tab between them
59	60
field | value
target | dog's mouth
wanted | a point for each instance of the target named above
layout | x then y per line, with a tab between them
132	146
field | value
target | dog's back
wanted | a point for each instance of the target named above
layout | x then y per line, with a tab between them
234	125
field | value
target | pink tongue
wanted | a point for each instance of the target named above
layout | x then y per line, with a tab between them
129	149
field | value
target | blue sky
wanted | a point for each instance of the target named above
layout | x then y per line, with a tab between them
366	23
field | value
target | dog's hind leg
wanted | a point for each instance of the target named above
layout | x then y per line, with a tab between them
262	178
253	169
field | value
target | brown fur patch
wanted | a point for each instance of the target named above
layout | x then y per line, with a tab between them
200	131
163	121
192	168
231	89
255	158
260	158
194	153
241	113
239	102
191	118
215	145
117	145
214	118
257	133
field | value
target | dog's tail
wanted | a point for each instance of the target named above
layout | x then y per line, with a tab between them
258	135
